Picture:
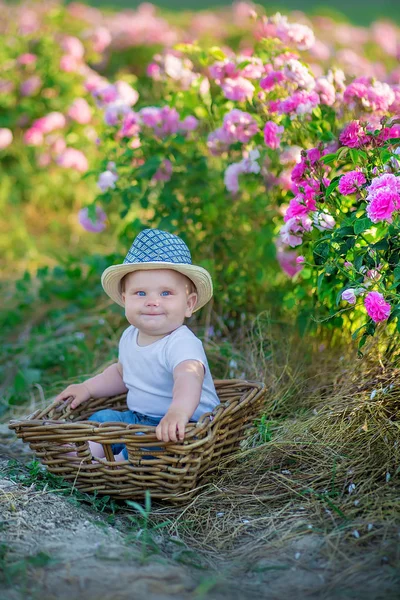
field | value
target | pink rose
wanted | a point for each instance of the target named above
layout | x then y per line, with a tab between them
382	205
272	133
6	137
126	93
353	135
238	89
351	182
50	122
26	59
80	111
73	47
101	38
69	63
95	226
33	137
73	159
376	307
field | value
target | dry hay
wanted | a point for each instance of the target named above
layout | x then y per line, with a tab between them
331	469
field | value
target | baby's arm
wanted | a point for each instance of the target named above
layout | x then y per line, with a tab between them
188	381
107	383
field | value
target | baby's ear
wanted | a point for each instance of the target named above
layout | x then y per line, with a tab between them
191	303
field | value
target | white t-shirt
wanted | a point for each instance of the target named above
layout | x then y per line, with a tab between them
148	371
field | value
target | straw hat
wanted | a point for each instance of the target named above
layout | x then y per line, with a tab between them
156	249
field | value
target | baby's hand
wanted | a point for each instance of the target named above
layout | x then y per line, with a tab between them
172	424
78	391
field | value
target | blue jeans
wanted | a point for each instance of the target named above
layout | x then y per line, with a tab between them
128	416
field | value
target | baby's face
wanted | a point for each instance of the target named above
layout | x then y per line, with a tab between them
157	302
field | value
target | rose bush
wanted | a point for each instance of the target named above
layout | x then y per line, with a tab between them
220	146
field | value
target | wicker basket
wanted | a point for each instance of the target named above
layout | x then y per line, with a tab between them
170	471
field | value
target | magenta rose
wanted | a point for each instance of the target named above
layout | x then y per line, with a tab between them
377	308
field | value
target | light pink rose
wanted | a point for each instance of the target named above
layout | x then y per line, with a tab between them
69	63
288	261
33	137
50	122
73	159
238	89
80	111
101	38
349	296
6	137
26	59
377	308
73	47
126	93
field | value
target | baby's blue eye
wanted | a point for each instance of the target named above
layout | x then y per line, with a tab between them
165	293
141	293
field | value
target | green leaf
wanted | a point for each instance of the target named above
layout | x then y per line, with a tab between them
332	186
362	225
396	273
321	253
354	155
329	158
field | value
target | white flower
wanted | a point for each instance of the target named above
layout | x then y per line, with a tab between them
107	180
352	487
356	534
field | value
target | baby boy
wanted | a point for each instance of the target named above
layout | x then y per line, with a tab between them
161	364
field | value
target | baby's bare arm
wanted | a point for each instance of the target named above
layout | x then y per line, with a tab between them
188	381
107	383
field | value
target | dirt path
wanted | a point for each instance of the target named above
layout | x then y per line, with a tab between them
52	548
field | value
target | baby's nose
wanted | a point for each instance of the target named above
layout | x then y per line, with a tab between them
153	300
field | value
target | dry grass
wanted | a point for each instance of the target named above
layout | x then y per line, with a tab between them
330	468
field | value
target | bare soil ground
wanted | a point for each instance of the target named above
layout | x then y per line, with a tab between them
53	548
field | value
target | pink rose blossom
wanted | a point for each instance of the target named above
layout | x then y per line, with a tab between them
189	123
349	296
33	137
386	181
130	125
288	261
382	205
238	126
92	226
126	93
101	38
80	111
300	260
30	86
27	59
351	182
69	63
301	102
50	122
272	133
6	137
376	307
326	91
73	47
353	135
73	159
299	206
272	79
239	89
